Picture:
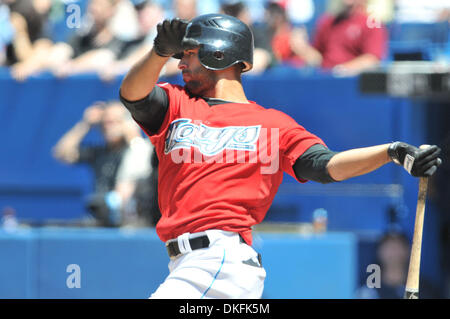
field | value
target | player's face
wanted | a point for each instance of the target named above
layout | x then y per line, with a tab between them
199	80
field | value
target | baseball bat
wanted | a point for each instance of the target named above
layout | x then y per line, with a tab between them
412	283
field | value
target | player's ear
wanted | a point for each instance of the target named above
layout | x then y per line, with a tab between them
238	70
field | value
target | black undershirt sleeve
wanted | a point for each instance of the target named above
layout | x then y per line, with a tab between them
150	111
312	164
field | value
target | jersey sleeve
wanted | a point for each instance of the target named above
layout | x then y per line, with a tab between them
294	141
174	96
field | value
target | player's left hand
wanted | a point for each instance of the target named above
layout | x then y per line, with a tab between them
419	162
170	36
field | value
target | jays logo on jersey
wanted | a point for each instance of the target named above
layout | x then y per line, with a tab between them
210	141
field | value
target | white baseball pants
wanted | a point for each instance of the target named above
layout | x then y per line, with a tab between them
226	269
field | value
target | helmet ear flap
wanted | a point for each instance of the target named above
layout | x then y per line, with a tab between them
214	58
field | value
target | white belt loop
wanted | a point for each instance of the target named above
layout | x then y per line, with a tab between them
183	243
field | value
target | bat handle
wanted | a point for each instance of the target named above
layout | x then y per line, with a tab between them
412	284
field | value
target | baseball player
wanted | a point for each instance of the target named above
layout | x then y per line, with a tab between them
222	157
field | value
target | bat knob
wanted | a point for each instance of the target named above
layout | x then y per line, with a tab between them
411	295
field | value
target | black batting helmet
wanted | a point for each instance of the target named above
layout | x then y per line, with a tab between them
223	40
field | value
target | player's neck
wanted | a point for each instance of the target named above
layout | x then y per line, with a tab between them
228	89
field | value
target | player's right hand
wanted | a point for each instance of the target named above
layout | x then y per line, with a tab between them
419	162
170	36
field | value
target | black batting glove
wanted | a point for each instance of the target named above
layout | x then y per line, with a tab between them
419	162
170	35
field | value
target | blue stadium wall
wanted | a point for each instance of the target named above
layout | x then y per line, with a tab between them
36	263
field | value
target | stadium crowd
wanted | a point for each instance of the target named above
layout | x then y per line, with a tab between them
68	37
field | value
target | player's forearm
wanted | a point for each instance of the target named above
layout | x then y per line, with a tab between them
357	162
142	77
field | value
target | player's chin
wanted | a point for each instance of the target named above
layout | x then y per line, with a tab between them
195	87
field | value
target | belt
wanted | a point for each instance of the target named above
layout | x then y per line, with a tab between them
200	242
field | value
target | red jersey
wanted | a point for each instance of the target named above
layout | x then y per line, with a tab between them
348	39
220	166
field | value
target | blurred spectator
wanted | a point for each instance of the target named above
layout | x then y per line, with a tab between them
31	44
393	258
283	34
146	195
299	11
6	31
117	165
9	219
135	166
98	42
347	42
377	10
201	7
422	11
63	18
441	189
262	55
92	47
381	10
185	9
124	23
208	6
149	14
422	22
